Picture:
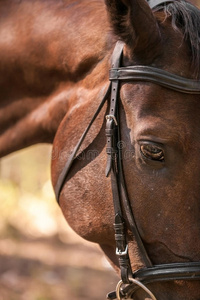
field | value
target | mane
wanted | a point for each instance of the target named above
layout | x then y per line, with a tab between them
186	17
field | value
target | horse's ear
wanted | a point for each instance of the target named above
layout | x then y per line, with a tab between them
134	23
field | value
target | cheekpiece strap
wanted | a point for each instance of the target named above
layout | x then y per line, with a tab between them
112	136
111	118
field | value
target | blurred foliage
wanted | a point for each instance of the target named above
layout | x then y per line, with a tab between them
26	197
27	200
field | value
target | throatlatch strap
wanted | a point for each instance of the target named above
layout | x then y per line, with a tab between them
67	167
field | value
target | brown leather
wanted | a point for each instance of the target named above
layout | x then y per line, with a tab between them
157	76
120	197
113	167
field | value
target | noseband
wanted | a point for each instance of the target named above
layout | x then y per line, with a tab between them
130	282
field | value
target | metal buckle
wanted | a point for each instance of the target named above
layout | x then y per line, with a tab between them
138	283
112	117
120	252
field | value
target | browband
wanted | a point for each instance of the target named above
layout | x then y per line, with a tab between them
157	76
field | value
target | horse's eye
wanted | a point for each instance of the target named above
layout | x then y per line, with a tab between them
152	152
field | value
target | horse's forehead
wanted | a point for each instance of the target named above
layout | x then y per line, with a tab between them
146	98
151	108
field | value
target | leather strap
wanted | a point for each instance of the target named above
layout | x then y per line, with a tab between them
168	272
114	166
161	273
111	123
157	76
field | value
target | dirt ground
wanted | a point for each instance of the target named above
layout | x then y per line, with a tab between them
47	269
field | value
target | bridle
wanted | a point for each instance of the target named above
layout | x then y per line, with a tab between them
130	282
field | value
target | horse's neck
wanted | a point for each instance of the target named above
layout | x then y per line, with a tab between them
50	55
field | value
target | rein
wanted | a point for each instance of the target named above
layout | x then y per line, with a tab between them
131	282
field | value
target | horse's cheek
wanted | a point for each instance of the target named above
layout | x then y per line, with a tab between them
86	202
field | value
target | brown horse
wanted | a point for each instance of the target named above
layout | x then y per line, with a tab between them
54	63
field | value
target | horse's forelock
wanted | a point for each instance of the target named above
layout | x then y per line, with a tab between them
186	17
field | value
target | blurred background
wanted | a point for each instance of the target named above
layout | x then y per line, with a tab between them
41	258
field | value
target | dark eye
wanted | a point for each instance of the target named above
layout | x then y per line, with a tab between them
153	152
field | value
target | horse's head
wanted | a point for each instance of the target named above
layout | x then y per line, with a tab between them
160	143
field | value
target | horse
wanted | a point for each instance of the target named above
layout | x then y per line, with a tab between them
55	58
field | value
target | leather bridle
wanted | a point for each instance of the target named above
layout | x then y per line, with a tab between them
130	282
